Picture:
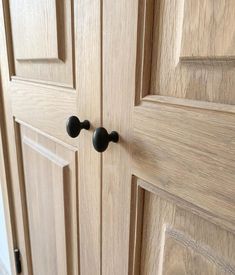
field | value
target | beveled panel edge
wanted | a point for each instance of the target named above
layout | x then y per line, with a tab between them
145	25
189	243
9	40
39	59
188	103
139	187
68	146
20	167
148	42
18	79
40	114
182	203
136	227
64	166
208	60
61	51
44	152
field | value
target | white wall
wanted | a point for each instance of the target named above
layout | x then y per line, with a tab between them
4	256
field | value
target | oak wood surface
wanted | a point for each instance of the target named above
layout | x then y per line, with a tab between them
187	243
88	64
42	15
144	69
44	84
42	35
192	50
168	185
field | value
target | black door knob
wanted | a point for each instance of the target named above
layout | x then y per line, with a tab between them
74	126
101	139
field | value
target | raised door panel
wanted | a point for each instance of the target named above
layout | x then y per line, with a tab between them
42	71
207	31
188	152
173	239
182	142
186	50
42	38
50	192
34	24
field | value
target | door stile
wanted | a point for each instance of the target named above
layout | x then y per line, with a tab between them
20	238
88	79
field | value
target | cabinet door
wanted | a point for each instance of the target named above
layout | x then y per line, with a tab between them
168	193
50	70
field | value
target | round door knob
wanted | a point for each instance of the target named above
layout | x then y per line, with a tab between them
74	126
101	139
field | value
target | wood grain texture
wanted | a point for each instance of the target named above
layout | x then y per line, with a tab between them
34	104
173	101
136	226
191	51
45	51
34	29
50	184
119	40
176	241
187	152
21	239
176	131
146	13
88	78
207	30
40	97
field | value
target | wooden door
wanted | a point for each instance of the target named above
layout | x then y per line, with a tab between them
50	70
168	193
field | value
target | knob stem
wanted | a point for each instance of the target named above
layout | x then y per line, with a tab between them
74	126
85	125
114	137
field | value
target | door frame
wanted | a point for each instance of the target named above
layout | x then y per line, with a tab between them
6	187
13	178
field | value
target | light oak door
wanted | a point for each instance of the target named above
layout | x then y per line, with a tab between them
168	192
50	70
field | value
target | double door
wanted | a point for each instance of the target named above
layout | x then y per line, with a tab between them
161	74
